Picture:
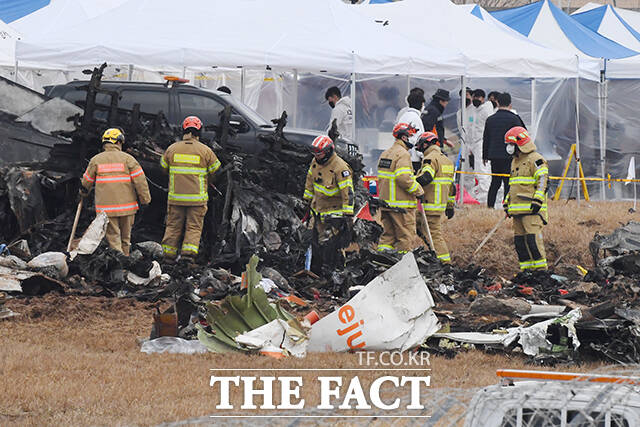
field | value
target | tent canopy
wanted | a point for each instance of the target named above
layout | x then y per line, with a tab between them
311	35
8	38
545	23
62	13
478	41
482	14
607	22
10	10
630	17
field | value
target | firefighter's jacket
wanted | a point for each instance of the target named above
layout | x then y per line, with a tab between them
119	181
189	163
329	187
397	184
440	191
528	181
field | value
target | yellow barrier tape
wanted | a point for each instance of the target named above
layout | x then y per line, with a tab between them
568	178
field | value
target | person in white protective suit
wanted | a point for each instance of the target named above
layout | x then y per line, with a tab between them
411	116
483	109
341	112
466	134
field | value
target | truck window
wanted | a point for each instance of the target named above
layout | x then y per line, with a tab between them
150	101
206	108
79	96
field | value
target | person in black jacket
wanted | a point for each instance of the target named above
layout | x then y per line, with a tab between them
494	148
432	116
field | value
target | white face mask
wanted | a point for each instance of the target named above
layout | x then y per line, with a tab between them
511	149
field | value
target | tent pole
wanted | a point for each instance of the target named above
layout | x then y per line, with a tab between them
243	76
578	139
408	84
130	72
601	126
463	121
534	117
353	105
295	98
15	72
605	104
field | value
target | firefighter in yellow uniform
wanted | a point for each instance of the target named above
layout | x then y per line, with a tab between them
436	177
527	198
399	191
329	190
189	164
120	183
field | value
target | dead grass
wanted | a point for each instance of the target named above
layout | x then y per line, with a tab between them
75	361
570	229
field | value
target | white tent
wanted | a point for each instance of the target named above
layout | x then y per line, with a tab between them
312	35
8	38
61	14
489	53
607	22
482	14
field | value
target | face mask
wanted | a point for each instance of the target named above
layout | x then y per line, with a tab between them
332	104
511	149
467	102
494	103
477	103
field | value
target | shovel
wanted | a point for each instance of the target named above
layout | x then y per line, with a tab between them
75	225
426	225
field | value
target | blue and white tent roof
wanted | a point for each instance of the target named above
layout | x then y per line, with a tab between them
606	21
547	24
10	10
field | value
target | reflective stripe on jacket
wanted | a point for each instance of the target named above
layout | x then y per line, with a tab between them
329	187
528	181
439	192
119	181
189	162
398	185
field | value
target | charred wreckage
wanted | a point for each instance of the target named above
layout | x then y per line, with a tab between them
256	208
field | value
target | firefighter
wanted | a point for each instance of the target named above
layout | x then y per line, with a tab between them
526	202
398	192
329	191
436	178
189	164
120	183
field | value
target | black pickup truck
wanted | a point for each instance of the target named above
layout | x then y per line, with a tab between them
178	101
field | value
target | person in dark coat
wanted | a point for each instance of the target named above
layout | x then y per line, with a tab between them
493	146
432	116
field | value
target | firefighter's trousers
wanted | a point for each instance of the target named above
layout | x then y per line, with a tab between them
119	233
527	238
187	220
435	226
399	230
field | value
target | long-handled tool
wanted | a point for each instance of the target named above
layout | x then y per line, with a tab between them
75	225
426	225
489	234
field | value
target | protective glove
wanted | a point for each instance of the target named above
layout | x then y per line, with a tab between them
535	206
420	198
449	212
82	194
505	206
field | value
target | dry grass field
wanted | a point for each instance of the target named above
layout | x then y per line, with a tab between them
76	361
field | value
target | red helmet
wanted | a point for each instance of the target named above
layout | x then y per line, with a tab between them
517	135
403	129
192	122
322	147
426	139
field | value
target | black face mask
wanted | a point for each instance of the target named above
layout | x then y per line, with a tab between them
332	104
477	103
467	102
494	103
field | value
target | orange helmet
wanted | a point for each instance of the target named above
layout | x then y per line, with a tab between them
426	139
192	122
517	135
322	148
402	129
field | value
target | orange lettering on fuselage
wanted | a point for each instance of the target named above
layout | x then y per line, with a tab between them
346	314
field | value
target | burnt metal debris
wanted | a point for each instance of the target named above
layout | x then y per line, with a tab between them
256	208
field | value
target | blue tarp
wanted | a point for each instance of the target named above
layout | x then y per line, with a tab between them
10	10
522	19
